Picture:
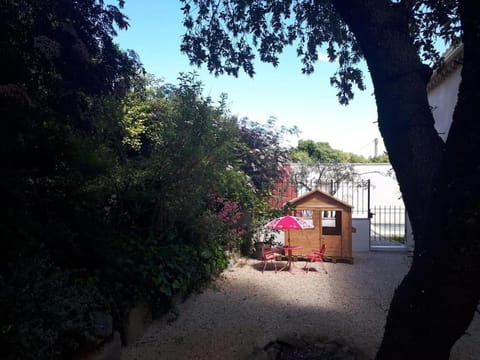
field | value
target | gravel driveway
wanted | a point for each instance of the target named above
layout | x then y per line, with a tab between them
244	310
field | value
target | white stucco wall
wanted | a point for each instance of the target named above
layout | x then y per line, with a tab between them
361	237
443	99
384	189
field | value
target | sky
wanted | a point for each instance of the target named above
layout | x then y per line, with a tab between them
295	99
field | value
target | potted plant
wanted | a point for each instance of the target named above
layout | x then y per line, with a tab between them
266	239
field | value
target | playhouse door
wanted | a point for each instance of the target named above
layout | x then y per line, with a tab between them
331	232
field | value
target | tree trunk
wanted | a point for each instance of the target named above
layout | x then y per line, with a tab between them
405	120
434	304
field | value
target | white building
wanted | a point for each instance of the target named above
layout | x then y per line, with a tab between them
442	91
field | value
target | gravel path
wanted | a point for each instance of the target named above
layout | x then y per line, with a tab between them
244	310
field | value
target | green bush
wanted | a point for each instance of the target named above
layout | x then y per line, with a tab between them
49	313
145	207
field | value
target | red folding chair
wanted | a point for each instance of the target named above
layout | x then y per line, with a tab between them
269	255
317	255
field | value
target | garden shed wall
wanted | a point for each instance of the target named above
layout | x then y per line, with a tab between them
332	220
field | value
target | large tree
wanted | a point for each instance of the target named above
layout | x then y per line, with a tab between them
436	301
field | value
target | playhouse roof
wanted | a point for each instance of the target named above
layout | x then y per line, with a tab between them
320	197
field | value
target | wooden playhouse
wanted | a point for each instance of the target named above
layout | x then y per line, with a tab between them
332	220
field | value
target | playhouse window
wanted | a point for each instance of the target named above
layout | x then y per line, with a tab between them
307	214
332	222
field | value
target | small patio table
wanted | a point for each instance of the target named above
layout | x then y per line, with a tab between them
289	250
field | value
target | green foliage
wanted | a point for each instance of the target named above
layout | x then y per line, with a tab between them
311	151
397	238
61	64
148	207
237	28
239	31
260	153
379	159
432	21
317	163
236	186
154	198
49	313
144	268
115	187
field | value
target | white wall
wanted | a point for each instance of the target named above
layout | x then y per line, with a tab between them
361	237
443	99
384	189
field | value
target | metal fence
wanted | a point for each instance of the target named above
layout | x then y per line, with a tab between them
387	226
355	193
387	223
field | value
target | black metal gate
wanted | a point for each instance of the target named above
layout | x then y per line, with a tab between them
387	227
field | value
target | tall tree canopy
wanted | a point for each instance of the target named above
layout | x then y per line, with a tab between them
436	301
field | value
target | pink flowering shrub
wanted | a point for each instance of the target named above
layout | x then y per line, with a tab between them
228	213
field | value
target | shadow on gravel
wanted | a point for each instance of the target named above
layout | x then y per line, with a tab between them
285	315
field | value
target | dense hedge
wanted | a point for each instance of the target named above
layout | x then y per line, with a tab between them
115	186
